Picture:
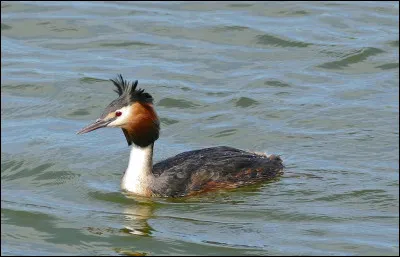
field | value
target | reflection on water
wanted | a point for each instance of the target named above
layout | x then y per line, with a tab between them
314	82
136	216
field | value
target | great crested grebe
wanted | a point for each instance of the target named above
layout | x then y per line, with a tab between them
185	174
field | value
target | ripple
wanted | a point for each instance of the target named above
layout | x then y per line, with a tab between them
56	177
282	93
276	41
276	83
224	133
176	103
112	197
215	117
3	6
354	194
19	170
9	166
43	23
55	61
357	94
239	5
63	29
36	28
79	112
129	252
126	44
245	102
26	218
394	43
168	121
294	13
360	56
28	89
5	26
230	28
90	80
218	93
388	66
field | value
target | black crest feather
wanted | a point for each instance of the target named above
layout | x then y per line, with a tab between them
129	91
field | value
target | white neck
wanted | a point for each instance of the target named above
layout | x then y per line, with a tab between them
138	176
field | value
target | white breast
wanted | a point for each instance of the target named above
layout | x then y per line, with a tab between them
138	176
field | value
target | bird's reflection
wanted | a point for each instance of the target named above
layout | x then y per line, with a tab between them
137	215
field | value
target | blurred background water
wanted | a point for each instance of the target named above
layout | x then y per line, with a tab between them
315	82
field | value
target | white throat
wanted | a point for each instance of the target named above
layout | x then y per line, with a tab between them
138	176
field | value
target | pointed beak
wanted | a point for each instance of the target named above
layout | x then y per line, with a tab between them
99	123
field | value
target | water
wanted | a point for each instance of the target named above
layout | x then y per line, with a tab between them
316	82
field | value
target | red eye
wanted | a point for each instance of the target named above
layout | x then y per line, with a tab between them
118	113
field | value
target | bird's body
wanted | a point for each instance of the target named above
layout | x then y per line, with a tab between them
185	174
207	169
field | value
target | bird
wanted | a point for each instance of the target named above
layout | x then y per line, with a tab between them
186	174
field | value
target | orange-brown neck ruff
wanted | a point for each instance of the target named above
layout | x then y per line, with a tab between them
143	127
